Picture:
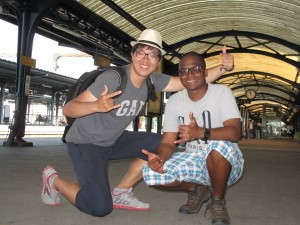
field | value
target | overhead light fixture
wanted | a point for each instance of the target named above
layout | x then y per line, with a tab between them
3	10
101	60
46	86
65	29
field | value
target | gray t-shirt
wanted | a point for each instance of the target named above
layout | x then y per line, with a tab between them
217	106
104	129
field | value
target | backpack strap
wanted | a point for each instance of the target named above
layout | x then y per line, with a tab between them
151	89
120	71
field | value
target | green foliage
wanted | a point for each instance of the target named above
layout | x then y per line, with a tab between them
297	134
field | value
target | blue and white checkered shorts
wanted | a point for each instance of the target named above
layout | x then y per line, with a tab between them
191	166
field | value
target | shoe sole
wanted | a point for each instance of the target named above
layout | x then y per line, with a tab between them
183	211
220	222
43	188
129	208
55	204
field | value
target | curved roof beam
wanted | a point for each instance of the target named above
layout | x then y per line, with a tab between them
258	107
276	99
293	84
258	52
242	46
264	85
233	33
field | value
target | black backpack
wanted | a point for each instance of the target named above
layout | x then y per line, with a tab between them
86	79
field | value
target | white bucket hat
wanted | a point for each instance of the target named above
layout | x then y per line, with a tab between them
150	37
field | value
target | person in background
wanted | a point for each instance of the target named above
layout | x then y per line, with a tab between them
98	134
250	130
207	118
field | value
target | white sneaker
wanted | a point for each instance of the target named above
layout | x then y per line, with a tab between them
126	200
49	195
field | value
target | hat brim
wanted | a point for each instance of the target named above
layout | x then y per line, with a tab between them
133	43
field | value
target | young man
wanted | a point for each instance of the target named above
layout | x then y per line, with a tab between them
98	134
207	118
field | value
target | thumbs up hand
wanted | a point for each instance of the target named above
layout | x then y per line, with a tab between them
188	132
227	60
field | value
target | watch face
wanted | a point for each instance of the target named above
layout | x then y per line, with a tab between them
250	94
207	133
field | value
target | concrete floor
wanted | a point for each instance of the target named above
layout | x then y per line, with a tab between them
268	193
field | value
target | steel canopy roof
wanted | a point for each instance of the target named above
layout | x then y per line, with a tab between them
263	36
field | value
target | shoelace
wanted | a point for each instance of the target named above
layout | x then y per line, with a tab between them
47	186
126	195
192	197
130	195
217	205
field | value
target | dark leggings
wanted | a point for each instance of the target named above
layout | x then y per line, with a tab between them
90	163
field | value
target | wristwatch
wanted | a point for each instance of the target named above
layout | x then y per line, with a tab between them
207	134
228	70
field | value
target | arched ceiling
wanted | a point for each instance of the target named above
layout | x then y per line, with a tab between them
263	36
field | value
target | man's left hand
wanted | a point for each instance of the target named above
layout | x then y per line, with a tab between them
188	132
227	60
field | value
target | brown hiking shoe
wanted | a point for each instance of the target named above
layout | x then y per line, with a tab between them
196	198
219	213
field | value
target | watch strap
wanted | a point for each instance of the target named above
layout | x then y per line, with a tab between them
207	133
228	69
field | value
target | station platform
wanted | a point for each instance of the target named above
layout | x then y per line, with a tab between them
268	193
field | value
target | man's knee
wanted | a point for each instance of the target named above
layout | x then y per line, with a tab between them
216	155
94	201
219	150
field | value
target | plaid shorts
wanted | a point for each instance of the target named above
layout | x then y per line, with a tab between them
191	166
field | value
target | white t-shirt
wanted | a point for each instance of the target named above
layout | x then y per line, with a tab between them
217	106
